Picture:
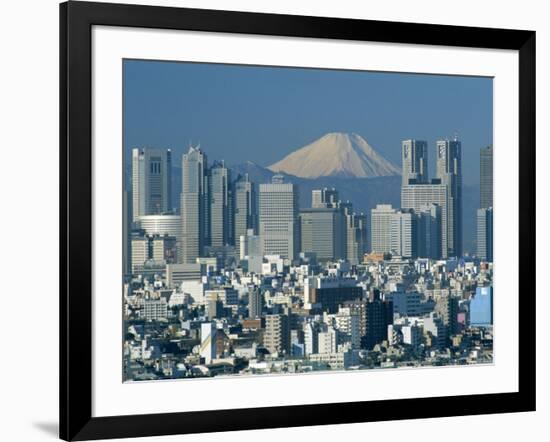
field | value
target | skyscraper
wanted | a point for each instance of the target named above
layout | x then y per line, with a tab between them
193	205
485	234
278	218
219	180
417	196
245	208
414	155
324	197
429	231
486	177
151	181
403	232
449	172
381	228
355	236
322	232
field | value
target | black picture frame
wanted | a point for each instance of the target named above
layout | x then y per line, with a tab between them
76	21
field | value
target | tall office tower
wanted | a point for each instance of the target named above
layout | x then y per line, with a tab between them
324	197
278	218
446	308
414	156
379	314
404	233
322	232
380	228
417	196
485	234
486	177
449	171
277	334
219	180
429	231
208	349
244	197
356	236
255	303
126	229
151	181
193	206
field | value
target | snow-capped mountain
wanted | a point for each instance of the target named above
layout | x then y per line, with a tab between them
339	155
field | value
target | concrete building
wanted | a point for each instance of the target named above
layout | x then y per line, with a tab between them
193	206
177	273
381	228
245	217
449	172
414	156
151	181
486	177
164	224
208	346
155	309
277	334
404	233
219	196
485	234
324	198
255	303
278	218
429	231
322	233
481	307
418	196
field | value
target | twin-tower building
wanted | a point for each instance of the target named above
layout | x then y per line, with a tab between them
429	222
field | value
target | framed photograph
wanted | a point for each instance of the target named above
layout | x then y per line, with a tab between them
272	220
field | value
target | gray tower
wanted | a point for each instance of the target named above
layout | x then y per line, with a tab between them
244	197
151	181
449	172
414	156
278	218
486	177
485	234
193	208
219	199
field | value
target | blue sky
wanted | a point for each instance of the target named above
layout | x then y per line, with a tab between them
241	113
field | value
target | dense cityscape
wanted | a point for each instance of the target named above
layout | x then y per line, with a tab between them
241	280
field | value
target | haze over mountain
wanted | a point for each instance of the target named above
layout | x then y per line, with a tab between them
337	155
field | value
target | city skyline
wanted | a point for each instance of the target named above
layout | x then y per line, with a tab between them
331	258
173	105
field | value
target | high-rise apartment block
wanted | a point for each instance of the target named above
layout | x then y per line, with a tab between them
277	334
